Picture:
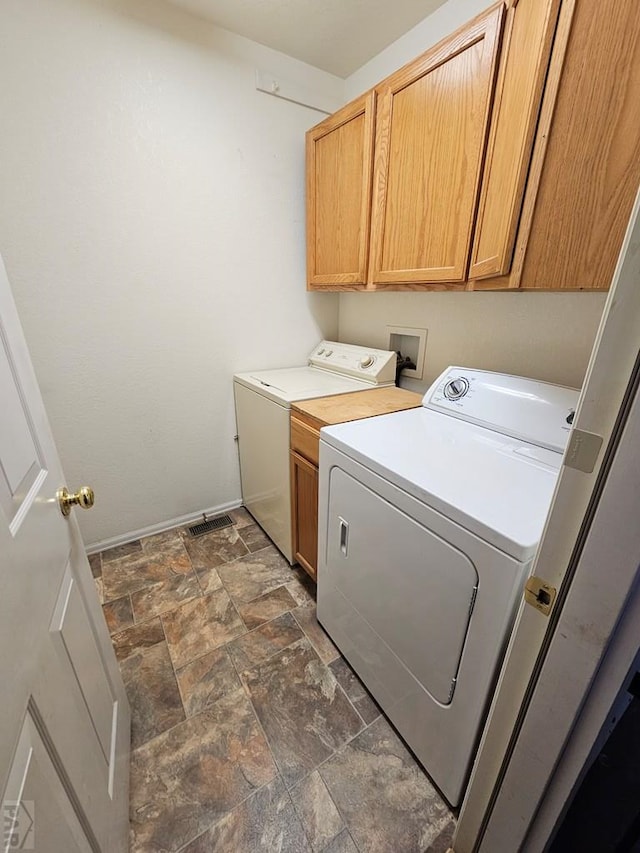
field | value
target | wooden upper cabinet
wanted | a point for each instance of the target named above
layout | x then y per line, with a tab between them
590	168
505	157
528	39
431	132
339	165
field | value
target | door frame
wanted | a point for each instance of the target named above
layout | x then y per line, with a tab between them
606	702
507	783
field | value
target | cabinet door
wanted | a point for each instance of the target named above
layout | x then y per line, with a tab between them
591	166
431	129
529	32
304	503
339	164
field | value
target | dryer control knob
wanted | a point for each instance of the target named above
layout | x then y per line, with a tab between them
367	361
328	353
320	351
456	388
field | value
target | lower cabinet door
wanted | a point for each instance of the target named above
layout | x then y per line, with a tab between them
304	503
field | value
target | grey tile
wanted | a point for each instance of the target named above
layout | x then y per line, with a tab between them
201	626
153	693
264	642
443	843
168	548
95	563
99	584
118	614
137	638
303	711
119	551
254	537
187	779
209	580
302	588
364	704
255	574
266	607
319	639
317	811
126	575
240	517
167	539
344	843
164	595
205	680
264	823
214	549
384	797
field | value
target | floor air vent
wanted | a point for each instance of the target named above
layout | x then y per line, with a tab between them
210	524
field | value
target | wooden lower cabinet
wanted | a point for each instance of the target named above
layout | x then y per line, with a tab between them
304	458
307	419
304	493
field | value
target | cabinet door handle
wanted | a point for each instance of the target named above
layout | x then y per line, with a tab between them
344	535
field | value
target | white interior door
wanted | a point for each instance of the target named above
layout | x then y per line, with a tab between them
64	738
501	800
593	647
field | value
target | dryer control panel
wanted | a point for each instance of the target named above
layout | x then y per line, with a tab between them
536	412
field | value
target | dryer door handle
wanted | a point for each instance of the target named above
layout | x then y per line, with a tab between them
344	536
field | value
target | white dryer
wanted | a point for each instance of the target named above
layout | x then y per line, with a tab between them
429	520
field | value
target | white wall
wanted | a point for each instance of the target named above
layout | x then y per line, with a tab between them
428	32
546	336
543	335
152	225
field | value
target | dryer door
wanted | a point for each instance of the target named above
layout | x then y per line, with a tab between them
414	590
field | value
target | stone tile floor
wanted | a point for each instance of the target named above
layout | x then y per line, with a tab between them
250	733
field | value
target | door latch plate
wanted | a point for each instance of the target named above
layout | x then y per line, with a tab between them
582	450
540	594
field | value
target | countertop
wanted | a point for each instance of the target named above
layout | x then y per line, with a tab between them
341	408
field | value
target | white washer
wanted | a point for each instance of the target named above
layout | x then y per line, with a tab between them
429	520
263	399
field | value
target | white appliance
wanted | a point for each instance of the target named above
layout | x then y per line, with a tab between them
428	523
263	399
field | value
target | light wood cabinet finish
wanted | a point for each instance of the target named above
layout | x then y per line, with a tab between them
560	169
305	437
591	169
304	494
341	408
339	164
528	39
307	418
431	129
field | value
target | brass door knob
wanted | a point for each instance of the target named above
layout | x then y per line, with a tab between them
83	497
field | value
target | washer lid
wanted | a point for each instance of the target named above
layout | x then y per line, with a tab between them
289	384
495	486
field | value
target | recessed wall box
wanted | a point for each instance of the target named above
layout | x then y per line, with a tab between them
412	343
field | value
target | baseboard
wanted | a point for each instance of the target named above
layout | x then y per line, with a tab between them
123	538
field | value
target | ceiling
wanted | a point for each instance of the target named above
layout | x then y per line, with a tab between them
336	35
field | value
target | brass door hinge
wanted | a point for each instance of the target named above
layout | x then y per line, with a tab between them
539	594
